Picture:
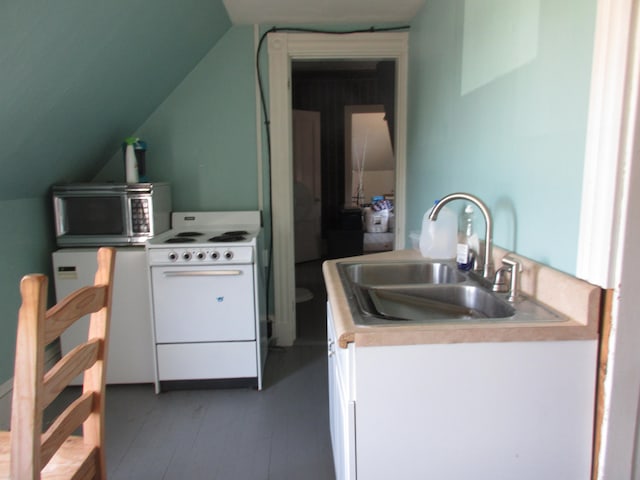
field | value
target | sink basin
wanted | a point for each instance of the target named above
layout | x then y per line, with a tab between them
401	273
442	302
400	293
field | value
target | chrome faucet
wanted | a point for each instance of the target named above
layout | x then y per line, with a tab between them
487	271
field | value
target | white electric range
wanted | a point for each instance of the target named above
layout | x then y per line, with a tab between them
206	300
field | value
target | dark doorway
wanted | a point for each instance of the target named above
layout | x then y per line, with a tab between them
328	87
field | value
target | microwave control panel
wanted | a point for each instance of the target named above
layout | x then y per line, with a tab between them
140	215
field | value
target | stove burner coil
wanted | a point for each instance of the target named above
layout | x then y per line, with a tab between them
227	238
180	240
188	234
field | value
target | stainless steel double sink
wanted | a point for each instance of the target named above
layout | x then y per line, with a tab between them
419	292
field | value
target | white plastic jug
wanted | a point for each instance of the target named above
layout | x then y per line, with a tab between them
439	238
131	164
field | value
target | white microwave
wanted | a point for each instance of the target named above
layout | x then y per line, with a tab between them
98	214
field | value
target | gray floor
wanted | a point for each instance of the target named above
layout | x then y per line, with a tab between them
279	433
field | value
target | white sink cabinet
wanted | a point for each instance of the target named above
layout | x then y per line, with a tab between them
341	404
500	410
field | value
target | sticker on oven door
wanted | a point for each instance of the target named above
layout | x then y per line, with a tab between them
220	299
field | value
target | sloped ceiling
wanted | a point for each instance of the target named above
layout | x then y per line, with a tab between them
78	77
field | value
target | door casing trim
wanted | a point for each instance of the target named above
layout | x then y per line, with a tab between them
282	49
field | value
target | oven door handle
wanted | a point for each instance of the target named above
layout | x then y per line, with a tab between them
203	273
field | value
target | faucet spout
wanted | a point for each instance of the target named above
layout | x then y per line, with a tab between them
487	270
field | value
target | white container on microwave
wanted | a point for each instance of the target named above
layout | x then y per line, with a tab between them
98	214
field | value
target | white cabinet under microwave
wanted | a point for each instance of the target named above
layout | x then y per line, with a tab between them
130	356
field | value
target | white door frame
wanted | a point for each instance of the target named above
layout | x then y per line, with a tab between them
283	48
608	251
605	146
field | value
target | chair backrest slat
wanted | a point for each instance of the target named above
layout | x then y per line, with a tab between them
69	367
66	423
76	305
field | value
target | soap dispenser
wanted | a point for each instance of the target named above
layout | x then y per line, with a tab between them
468	243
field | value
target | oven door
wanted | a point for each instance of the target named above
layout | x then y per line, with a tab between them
203	303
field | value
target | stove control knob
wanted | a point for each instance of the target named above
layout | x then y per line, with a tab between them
215	255
228	255
201	255
186	256
173	256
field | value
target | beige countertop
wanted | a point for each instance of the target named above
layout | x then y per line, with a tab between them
575	299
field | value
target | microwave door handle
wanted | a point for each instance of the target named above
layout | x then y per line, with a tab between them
203	273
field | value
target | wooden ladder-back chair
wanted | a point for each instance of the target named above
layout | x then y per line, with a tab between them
26	452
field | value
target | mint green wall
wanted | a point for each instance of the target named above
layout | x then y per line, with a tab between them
202	138
506	123
27	243
77	77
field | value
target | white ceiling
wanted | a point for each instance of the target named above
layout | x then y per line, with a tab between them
281	12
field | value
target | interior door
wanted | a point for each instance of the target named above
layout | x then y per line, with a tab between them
307	185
